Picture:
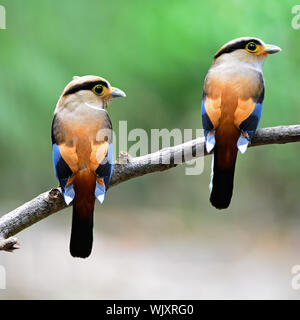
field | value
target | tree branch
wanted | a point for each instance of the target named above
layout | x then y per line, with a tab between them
125	169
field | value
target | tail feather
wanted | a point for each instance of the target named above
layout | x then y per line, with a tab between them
81	235
222	181
81	241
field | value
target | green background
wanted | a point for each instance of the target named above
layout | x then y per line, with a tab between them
158	52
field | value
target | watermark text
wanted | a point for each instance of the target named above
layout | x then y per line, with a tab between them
296	19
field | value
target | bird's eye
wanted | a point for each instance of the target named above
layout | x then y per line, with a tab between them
251	47
99	90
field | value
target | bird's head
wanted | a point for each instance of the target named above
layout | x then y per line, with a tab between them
93	91
246	50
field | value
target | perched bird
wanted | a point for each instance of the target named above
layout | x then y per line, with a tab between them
83	152
231	108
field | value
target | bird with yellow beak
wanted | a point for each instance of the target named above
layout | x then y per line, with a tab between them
231	108
83	152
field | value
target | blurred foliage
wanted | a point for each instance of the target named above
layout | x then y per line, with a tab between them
158	52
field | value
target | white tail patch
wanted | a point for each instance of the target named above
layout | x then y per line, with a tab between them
242	143
69	194
210	141
211	174
209	146
68	199
100	192
243	148
101	198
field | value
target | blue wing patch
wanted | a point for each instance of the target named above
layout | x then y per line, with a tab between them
104	171
248	128
209	130
63	173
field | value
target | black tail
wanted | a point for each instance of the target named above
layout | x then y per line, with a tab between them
82	234
222	181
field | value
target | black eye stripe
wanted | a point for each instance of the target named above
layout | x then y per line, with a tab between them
235	46
85	86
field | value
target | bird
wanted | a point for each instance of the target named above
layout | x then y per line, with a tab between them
82	151
231	108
